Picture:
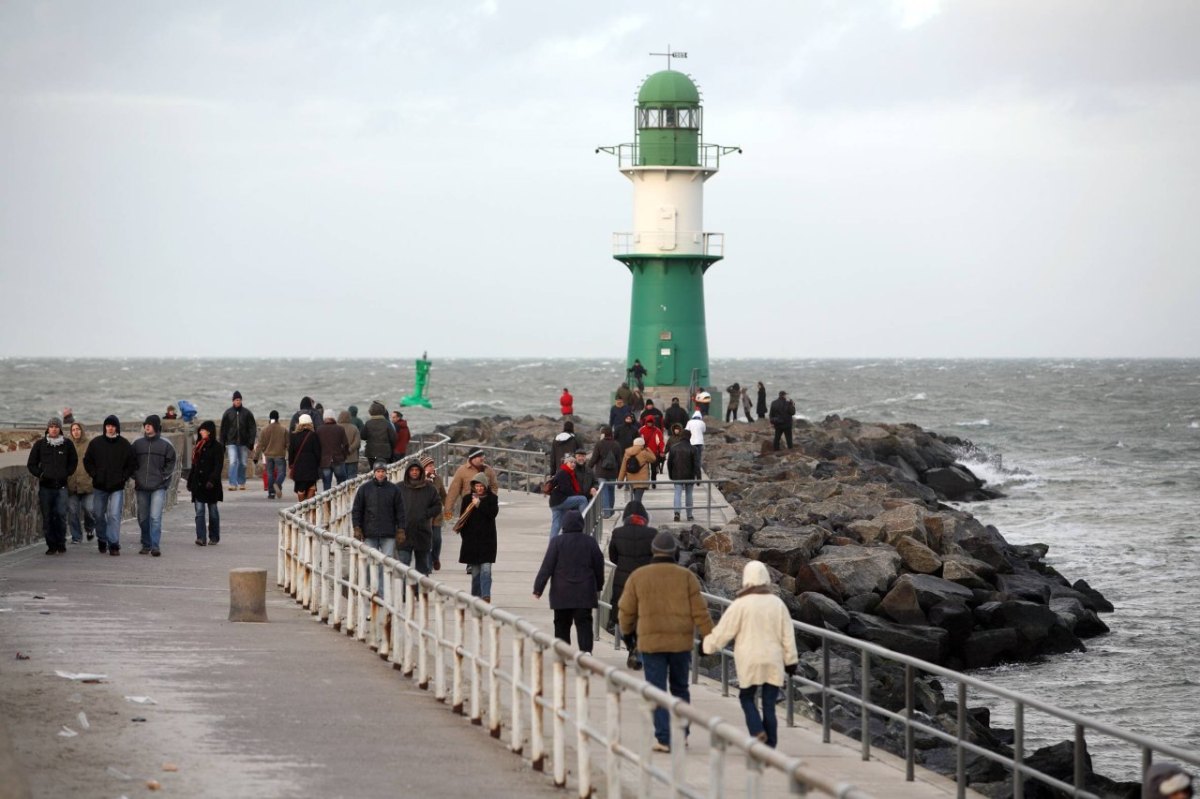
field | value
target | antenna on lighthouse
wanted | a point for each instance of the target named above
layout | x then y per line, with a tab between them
671	54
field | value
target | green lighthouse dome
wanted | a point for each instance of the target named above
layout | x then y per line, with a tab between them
669	87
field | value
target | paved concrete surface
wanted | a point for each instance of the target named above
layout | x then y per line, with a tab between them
287	708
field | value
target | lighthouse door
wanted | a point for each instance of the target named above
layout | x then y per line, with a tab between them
664	368
667	216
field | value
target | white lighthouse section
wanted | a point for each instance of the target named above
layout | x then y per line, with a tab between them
668	209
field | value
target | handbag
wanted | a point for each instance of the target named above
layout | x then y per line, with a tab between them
299	449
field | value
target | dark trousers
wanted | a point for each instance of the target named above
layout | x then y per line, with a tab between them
667	671
731	411
582	619
786	432
766	722
53	504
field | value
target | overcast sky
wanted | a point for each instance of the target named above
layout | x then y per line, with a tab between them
943	179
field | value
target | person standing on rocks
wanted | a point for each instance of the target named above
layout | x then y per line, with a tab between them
676	414
764	652
477	526
304	456
110	462
761	404
238	431
635	468
629	549
204	481
460	483
683	467
735	394
566	404
782	411
435	480
574	567
79	490
52	460
155	467
697	428
662	606
377	516
334	449
747	405
379	435
605	463
273	445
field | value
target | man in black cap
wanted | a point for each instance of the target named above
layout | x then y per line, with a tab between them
238	431
110	461
661	603
781	413
460	484
155	466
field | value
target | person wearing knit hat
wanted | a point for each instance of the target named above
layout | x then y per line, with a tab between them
155	467
272	445
238	433
304	458
765	652
52	460
460	483
110	462
662	605
781	414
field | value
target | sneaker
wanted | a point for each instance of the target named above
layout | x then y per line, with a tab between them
659	746
199	543
676	517
76	540
212	542
144	551
114	551
90	536
762	736
156	552
232	487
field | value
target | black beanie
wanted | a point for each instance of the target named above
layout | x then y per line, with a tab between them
274	416
154	422
237	395
114	421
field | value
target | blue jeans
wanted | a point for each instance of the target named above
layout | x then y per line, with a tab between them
79	506
327	477
238	455
149	515
214	521
388	547
424	560
766	722
346	471
53	504
107	507
576	502
481	579
276	472
684	489
663	668
608	498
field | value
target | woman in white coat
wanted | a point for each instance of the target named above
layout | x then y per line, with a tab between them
764	651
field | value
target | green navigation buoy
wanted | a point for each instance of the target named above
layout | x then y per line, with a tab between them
418	397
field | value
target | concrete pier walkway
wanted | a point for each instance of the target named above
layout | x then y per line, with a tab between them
281	709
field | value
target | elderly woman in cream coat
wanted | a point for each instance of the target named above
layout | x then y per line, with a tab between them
764	651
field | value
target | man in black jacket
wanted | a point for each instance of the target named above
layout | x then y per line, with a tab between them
378	516
52	460
110	462
683	468
676	414
605	463
781	413
238	431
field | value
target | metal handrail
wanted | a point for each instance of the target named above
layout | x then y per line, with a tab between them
436	634
529	469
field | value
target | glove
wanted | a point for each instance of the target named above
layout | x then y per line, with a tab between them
358	534
790	668
401	538
629	641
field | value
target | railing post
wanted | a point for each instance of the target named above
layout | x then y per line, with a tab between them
410	630
865	698
1080	747
516	729
717	749
383	612
439	650
825	723
612	760
909	754
537	737
460	631
337	614
351	623
397	630
558	671
422	599
582	753
960	755
280	547
494	677
476	714
1018	750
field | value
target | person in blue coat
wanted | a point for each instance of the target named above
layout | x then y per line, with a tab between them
574	567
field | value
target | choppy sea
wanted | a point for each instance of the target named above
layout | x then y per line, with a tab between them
1100	460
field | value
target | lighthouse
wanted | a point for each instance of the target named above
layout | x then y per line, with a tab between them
668	251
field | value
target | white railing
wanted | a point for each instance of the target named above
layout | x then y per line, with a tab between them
452	643
658	242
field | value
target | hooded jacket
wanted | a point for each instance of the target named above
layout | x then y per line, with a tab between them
574	567
403	436
563	445
479	530
605	467
52	461
566	403
629	546
378	509
698	427
1165	779
204	480
421	506
681	461
334	446
763	628
155	459
354	420
379	434
80	482
640	477
460	485
306	406
782	411
353	437
110	461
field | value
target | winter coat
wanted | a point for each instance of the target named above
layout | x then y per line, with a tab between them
80	482
238	427
639	478
562	486
624	434
629	547
782	411
378	509
272	442
616	414
763	628
52	464
566	403
747	405
653	437
353	436
155	463
662	604
698	427
460	485
601	464
403	436
204	480
479	530
380	438
304	456
574	567
334	446
625	394
110	462
421	507
675	415
681	462
761	405
563	445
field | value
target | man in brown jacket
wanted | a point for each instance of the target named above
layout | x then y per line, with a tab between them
460	484
662	603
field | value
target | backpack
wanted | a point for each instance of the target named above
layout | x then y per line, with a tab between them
632	464
609	462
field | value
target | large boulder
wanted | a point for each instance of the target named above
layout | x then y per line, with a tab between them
809	579
931	590
1027	585
917	557
954	617
856	570
821	611
958	572
901	605
926	643
1077	618
904	520
723	573
952	482
786	548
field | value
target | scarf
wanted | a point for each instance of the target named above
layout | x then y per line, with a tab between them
754	589
55	442
574	483
199	447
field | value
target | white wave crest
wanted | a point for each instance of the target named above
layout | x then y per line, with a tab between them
1195	425
479	404
976	423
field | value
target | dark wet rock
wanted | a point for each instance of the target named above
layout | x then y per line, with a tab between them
786	548
926	643
863	603
954	617
856	570
1026	585
819	610
1099	603
931	590
989	647
901	605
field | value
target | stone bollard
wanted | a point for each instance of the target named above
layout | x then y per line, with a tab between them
247	594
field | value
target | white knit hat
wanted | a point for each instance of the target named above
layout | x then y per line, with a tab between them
304	419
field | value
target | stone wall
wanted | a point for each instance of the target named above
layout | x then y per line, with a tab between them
20	517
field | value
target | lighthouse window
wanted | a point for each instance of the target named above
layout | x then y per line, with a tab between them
688	118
